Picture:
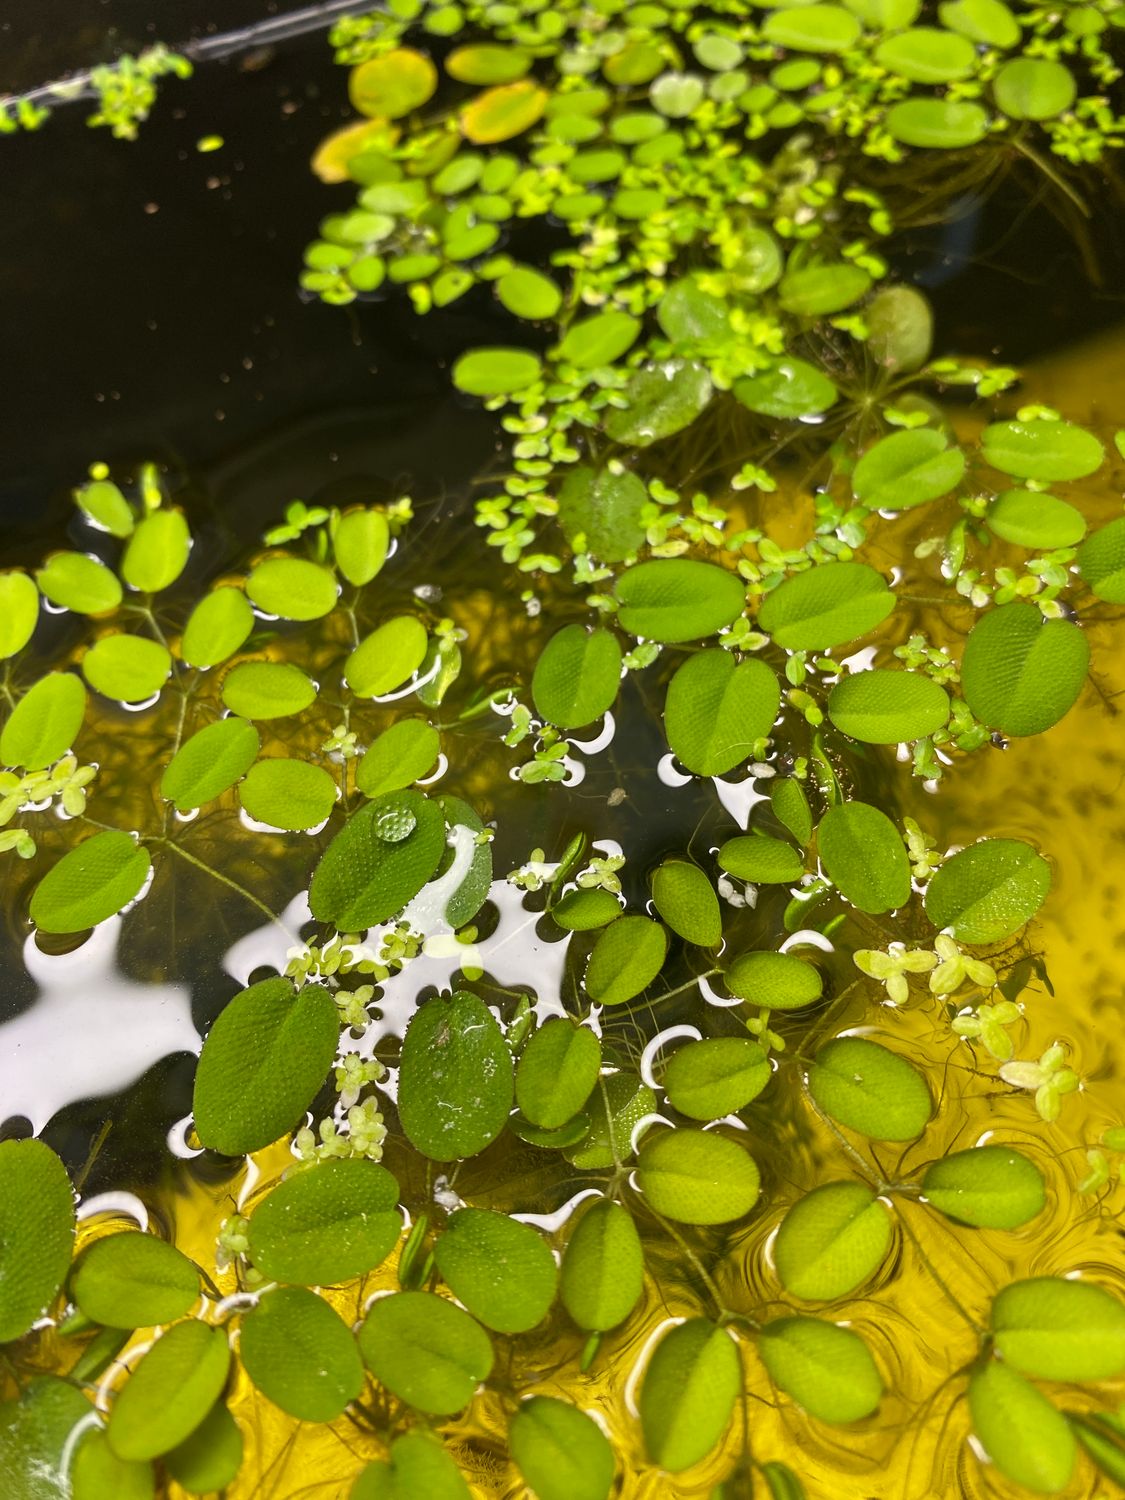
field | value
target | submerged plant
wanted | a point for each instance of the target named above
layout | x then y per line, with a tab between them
773	1013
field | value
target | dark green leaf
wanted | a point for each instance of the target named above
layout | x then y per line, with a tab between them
262	1064
577	676
584	910
36	1233
661	399
716	711
326	1225
791	808
601	511
616	1107
134	1281
626	959
677	599
686	900
830	604
419	1467
774	981
455	1079
210	762
557	1072
90	883
501	1270
1101	561
379	861
1032	518
301	1355
789	389
426	1351
170	1391
887	707
1021	673
988	891
763	860
864	857
211	1457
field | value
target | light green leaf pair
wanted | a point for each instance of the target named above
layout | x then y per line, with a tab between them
626	959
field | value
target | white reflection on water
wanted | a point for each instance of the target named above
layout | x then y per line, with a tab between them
91	1032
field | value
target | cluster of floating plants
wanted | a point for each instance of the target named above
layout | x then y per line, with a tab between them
801	987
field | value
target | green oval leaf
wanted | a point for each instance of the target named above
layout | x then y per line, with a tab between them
1057	1329
217	627
812	28
557	1072
718	1076
1101	561
90	883
927	54
990	1187
907	469
988	891
602	512
825	1368
211	1457
1022	1433
816	290
677	599
288	794
170	1391
267	690
1020	672
789	389
35	1437
791	808
96	1472
44	723
496	372
774	981
387	658
937	124
888	707
1034	88
864	857
577	676
157	552
688	1393
401	755
716	711
210	762
988	21
36	1233
603	1268
74	581
380	860
762	860
1032	518
686	900
292	589
19	612
598	340
627	957
618	1104
455	1079
134	1281
128	668
862	1085
105	505
326	1225
561	1453
262	1064
1041	450
301	1355
359	543
900	328
697	1177
528	293
828	605
425	1351
831	1241
501	1270
660	400
419	1466
393	84
584	910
